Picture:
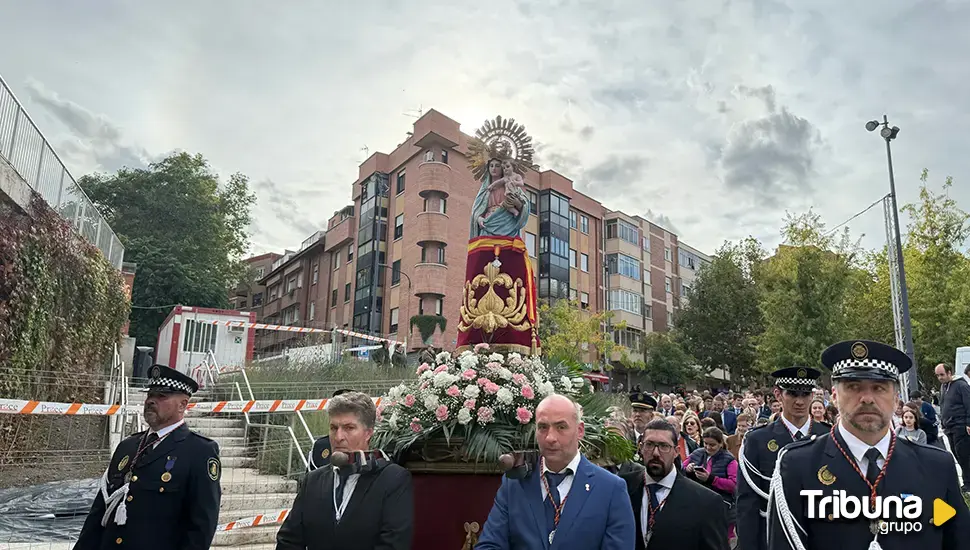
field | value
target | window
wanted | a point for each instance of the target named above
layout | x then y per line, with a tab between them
530	243
646	275
533	203
400	182
626	301
432	255
290	284
444	156
667	285
584	262
584	300
350	253
242	304
313	310
439	205
398	226
336	260
436	307
316	273
624	265
684	289
646	243
648	311
333	298
687	259
572	220
623	230
257	299
572	258
396	273
429	155
259	272
199	337
628	338
347	292
299	280
394	320
584	224
573	294
667	253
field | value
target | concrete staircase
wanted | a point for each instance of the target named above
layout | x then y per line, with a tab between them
245	491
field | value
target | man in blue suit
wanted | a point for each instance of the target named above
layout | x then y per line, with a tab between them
589	508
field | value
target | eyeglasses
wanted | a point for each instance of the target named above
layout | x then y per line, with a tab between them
650	446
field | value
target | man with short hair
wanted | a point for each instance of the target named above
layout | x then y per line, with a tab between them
759	450
643	406
670	510
565	499
319	455
862	458
362	505
955	414
161	489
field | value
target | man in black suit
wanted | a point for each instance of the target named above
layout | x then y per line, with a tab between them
363	505
670	510
862	457
759	450
161	489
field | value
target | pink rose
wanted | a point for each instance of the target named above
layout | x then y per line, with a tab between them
523	414
409	400
491	387
415	425
424	385
480	347
423	367
527	392
516	361
469	404
442	368
519	378
485	414
482	381
453	391
441	413
469	374
493	365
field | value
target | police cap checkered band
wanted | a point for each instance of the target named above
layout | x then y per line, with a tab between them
163	378
865	364
801	382
173	384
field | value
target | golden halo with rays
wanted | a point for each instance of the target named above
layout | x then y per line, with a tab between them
501	138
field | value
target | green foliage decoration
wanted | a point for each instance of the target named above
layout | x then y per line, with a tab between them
62	306
427	323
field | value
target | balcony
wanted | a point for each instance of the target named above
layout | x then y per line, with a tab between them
431	227
430	279
271	308
340	234
618	245
633	320
434	176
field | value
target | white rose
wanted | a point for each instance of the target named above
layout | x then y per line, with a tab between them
392	422
464	416
579	382
426	374
514	355
546	389
468	361
497	357
472	391
505	373
504	396
431	402
566	383
442	379
442	357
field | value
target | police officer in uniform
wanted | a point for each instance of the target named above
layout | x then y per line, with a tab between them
161	489
319	456
759	450
862	457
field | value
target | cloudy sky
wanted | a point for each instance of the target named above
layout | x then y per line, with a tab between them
713	116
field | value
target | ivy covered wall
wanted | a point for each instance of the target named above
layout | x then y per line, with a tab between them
62	306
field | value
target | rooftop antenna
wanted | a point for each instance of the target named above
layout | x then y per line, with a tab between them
366	151
411	112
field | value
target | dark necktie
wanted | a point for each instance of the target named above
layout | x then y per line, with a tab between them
554	481
343	477
799	435
654	501
872	471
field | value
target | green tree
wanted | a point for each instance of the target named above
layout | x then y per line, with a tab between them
721	318
185	230
666	361
571	334
803	292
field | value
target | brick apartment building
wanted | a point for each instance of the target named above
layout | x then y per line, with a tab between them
250	295
399	250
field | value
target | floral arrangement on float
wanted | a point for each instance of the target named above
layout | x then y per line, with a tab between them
480	404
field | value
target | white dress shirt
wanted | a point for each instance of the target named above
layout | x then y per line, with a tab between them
793	428
666	484
165	431
857	448
340	507
567	481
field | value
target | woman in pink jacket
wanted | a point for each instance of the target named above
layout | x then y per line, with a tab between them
715	468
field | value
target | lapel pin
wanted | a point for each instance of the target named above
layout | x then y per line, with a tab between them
587	487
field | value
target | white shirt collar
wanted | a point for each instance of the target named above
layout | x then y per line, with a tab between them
668	480
573	465
858	447
169	429
793	428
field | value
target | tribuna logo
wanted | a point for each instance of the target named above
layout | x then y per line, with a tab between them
840	505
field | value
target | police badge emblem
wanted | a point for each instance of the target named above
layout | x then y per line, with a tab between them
123	463
325	453
155	372
213	469
859	351
825	477
773	446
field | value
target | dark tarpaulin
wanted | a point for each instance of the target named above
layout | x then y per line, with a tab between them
47	512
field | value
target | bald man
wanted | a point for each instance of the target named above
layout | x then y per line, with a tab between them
564	498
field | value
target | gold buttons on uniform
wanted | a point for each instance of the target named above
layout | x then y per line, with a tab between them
134	478
161	489
130	498
118	540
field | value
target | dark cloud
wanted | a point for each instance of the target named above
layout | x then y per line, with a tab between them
661	220
771	156
97	142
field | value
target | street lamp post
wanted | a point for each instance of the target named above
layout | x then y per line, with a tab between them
408	320
609	308
889	133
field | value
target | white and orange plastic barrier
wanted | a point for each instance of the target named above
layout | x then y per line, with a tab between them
19	406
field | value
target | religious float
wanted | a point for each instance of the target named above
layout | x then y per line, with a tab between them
455	425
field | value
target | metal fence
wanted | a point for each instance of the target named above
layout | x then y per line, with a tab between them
25	148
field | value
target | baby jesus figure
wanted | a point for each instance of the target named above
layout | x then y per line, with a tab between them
514	194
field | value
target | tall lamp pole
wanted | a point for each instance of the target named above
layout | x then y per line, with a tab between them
408	333
889	133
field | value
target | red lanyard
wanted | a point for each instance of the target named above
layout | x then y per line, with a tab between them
545	483
651	512
872	486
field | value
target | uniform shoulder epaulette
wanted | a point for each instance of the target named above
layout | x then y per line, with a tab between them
822	423
202	437
756	428
804	442
923	445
